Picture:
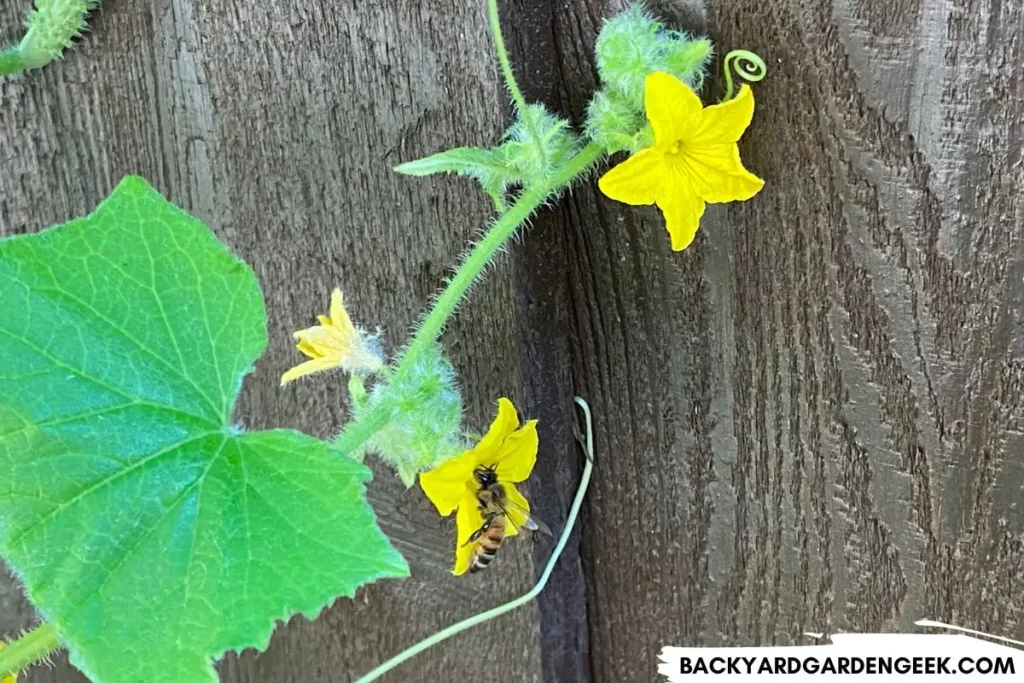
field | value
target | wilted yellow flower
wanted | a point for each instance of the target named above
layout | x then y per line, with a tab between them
8	679
335	342
510	450
694	160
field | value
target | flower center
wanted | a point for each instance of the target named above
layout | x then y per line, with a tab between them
675	148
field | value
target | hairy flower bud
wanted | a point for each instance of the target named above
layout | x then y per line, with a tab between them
51	28
630	47
426	417
613	123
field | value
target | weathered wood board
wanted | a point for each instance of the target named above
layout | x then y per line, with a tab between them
810	421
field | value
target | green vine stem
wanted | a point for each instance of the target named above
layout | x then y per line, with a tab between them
474	263
506	64
570	523
485	250
357	432
32	647
747	65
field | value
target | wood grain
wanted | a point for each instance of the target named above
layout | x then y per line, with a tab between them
812	420
278	125
809	421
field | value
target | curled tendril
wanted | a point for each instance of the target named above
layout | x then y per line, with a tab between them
747	65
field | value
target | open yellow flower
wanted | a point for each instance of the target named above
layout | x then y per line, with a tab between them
335	342
507	447
694	160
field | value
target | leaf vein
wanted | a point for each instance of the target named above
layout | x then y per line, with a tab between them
99	382
105	482
139	345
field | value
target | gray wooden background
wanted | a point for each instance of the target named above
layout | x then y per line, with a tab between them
810	421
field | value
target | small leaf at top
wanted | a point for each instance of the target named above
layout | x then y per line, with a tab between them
485	165
148	530
462	160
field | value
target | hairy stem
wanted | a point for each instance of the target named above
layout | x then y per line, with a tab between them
10	62
454	629
31	648
511	218
485	250
357	432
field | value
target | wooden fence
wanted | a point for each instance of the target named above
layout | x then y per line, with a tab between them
810	421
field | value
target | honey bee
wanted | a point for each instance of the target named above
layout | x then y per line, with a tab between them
495	506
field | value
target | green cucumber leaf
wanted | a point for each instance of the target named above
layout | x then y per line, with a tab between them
151	532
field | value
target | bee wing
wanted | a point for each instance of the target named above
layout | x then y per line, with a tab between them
539	525
517	516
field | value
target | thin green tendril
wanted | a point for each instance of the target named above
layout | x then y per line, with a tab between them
510	79
747	65
454	629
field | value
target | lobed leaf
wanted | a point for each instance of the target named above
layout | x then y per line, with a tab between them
152	533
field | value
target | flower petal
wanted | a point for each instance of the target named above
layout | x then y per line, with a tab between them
467	522
517	454
505	423
724	122
517	510
637	180
307	333
326	340
339	316
718	175
672	108
447	484
308	368
682	209
308	349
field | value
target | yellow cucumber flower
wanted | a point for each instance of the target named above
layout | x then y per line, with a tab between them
694	160
335	342
508	448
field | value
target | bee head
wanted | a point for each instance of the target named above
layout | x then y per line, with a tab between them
486	476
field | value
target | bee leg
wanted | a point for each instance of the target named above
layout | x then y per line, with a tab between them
488	521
